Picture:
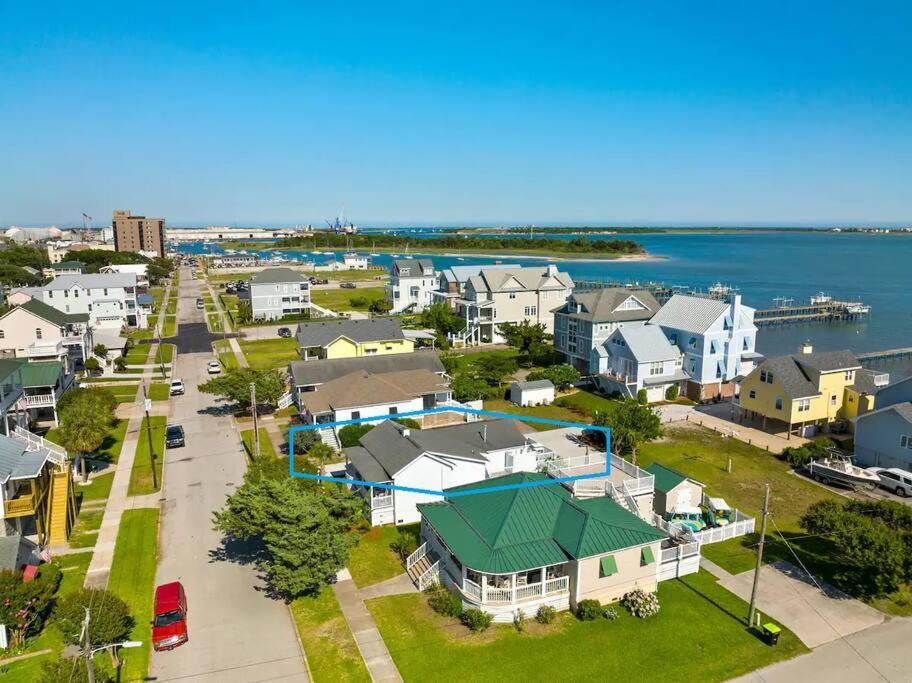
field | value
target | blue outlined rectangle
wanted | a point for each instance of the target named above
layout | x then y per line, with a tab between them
448	409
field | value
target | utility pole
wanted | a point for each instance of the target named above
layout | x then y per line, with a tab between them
90	665
146	405
256	427
766	506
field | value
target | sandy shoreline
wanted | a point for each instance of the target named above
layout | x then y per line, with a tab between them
627	258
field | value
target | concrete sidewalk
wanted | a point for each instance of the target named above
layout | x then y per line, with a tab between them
370	643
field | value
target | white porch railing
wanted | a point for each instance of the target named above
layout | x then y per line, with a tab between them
431	576
413	559
40	400
35	442
38	350
638	481
472	589
515	594
285	400
679	552
741	526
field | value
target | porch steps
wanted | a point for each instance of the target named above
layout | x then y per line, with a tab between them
328	436
421	567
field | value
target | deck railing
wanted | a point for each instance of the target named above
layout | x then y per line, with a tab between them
515	594
679	552
413	559
381	502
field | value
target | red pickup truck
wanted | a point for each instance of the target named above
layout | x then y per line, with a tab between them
169	628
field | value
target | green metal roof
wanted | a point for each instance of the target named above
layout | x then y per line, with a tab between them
665	477
41	374
8	367
53	315
533	526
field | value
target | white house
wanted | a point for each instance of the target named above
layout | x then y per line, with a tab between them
535	393
140	270
434	459
353	261
589	317
717	338
278	292
638	357
109	299
451	282
496	296
412	282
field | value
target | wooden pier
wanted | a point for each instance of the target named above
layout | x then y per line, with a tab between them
814	312
884	356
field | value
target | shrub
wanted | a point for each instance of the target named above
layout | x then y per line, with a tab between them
404	544
671	394
642	399
350	435
519	618
111	620
120	363
72	670
24	606
92	365
588	610
100	350
800	456
476	619
641	604
358	301
442	601
305	440
408	422
610	613
546	614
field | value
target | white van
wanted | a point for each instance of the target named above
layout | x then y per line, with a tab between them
894	479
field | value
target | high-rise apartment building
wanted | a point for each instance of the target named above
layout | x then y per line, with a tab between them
138	233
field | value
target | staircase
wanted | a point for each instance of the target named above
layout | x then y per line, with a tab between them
423	567
464	336
328	436
61	511
621	495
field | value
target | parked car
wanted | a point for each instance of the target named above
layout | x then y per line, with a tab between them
169	625
284	332
174	436
348	285
894	479
213	367
177	387
200	303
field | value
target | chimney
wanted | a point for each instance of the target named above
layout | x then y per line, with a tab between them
806	347
551	269
406	432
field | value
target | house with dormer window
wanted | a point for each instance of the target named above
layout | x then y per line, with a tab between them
589	317
411	286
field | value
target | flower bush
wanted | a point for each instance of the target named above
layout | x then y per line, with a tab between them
641	604
545	614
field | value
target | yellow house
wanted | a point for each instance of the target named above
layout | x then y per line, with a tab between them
352	339
804	389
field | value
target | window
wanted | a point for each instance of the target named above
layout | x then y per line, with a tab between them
66	294
833	400
905	441
37	333
727	324
656	368
673	339
356	415
778	403
393	410
512	295
105	291
747	344
607	566
849	375
508	460
753	393
75	293
804	405
766	376
531	310
692	343
368	352
714	346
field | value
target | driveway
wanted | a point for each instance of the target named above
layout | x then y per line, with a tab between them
790	598
237	633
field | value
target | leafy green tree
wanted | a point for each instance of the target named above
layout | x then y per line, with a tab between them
304	440
494	367
100	350
20	255
25	605
350	435
304	531
111	620
380	306
320	454
85	415
159	269
72	670
443	319
244	312
529	338
450	362
14	276
562	376
234	384
631	425
465	387
92	365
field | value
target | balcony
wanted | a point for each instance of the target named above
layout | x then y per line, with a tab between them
41	400
514	592
21	506
46	349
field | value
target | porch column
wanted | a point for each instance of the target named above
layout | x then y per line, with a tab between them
513	589
544	580
484	588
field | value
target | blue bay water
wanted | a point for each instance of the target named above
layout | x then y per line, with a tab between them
876	269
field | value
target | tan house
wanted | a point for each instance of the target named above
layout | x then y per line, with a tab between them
37	331
674	491
522	548
500	295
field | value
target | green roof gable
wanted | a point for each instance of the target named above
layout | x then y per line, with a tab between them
665	477
41	374
533	526
53	315
8	367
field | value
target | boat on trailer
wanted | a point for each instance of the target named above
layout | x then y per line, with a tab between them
839	469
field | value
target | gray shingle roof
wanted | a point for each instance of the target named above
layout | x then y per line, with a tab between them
829	361
306	373
599	305
690	313
529	277
375	329
271	276
415	267
463	273
368	468
392	450
794	381
534	384
17	463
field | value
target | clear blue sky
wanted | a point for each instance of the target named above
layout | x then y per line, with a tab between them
449	113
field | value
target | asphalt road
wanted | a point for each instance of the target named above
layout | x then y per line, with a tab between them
237	633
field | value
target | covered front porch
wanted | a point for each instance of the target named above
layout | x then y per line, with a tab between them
516	589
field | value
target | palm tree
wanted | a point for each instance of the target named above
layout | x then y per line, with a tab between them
84	424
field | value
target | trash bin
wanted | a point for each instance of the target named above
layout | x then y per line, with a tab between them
771	633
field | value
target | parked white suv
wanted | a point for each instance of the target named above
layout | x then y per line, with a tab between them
894	479
213	367
177	387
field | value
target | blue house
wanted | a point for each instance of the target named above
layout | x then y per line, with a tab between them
883	437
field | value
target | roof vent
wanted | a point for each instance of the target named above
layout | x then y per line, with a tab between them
406	432
806	347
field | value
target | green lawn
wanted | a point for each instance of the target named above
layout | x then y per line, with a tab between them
164	354
110	447
372	560
340	299
98	489
699	635
466	357
138	355
332	654
226	355
169	327
577	407
125	393
133	579
141	474
159	391
267	449
270	353
85	531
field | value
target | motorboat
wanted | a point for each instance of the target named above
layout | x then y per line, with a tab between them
839	469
